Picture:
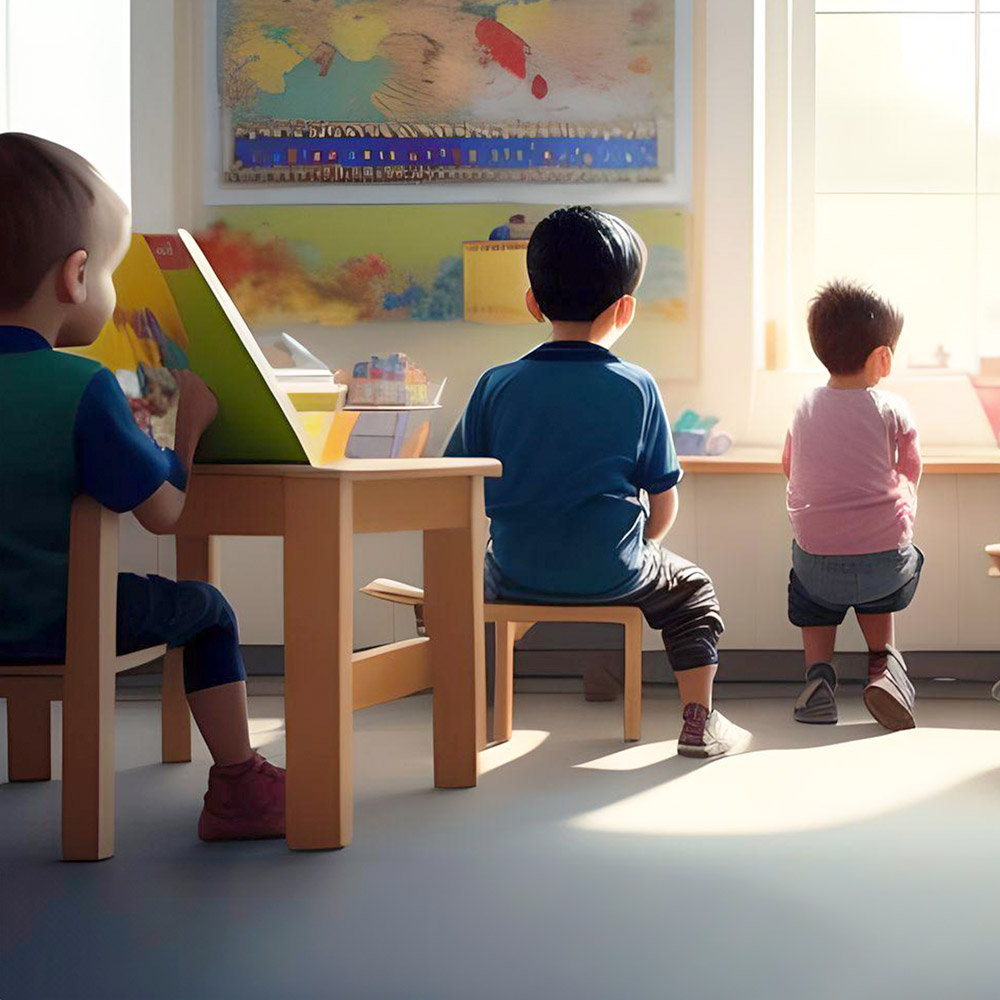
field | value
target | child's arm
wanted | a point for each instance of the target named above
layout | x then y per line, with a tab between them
121	467
908	460
195	412
663	509
786	456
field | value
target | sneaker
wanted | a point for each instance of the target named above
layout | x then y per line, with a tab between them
709	734
244	802
890	696
817	704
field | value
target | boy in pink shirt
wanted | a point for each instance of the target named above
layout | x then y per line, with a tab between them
853	466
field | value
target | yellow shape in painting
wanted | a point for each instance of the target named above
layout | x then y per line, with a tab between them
266	60
356	36
495	277
523	18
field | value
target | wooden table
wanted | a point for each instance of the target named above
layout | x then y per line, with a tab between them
317	511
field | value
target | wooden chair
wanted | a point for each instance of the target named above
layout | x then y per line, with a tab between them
512	620
85	684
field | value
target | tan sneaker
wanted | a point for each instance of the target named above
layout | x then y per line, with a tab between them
890	696
709	734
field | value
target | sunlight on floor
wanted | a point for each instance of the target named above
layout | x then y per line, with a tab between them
786	791
633	758
522	742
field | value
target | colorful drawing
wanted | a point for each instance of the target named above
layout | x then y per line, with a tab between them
340	265
343	91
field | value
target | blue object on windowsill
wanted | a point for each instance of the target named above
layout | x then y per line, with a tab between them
697	435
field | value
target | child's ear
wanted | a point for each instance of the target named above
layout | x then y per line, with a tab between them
71	279
532	303
624	311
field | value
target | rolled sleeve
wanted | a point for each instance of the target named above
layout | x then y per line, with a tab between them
658	469
116	463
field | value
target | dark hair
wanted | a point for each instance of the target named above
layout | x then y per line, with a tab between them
580	261
847	322
46	200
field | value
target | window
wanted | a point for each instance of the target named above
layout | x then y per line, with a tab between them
66	74
883	165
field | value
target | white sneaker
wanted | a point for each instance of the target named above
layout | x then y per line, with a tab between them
709	734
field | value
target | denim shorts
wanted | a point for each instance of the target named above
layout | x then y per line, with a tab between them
822	589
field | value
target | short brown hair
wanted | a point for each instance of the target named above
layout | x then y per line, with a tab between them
46	201
847	322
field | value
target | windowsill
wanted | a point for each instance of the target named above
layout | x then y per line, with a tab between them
945	408
748	461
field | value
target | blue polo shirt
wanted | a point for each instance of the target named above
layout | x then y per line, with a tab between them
66	429
581	435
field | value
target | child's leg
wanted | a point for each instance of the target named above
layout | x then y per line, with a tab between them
819	642
193	614
221	716
695	685
682	603
889	695
878	631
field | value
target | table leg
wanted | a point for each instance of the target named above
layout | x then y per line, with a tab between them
453	608
319	547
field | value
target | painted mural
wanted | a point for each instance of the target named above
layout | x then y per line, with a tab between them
362	91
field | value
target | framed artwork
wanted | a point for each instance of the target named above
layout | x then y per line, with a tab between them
346	92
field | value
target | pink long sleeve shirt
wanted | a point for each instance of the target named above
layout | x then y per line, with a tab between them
853	465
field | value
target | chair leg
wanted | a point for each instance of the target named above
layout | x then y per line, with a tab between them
29	739
633	683
503	682
175	717
88	791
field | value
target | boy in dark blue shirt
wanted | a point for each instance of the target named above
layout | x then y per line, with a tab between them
590	474
67	429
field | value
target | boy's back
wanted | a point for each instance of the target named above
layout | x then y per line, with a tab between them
580	433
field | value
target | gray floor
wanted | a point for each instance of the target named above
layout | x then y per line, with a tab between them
825	862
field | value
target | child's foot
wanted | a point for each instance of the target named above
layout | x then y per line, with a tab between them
244	802
890	696
817	704
709	734
599	684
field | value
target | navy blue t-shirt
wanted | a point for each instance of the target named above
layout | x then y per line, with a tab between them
580	433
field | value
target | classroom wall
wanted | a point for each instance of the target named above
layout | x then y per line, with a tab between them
735	526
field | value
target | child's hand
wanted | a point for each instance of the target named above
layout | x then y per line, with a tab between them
197	407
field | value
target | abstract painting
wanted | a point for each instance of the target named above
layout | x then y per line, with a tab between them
341	265
377	91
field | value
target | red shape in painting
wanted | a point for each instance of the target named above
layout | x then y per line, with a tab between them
506	49
539	87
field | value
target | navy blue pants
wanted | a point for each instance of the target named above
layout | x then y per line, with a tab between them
195	615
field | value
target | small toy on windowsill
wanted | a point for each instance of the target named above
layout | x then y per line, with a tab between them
698	435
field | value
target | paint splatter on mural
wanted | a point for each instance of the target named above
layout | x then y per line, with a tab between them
447	90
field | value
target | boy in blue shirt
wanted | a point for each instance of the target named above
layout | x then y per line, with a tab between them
590	474
67	429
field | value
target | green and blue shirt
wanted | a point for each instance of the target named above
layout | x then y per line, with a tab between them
66	429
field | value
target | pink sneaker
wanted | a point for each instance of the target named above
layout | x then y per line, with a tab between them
244	802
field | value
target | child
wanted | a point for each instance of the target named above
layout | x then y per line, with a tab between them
67	430
853	466
589	468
